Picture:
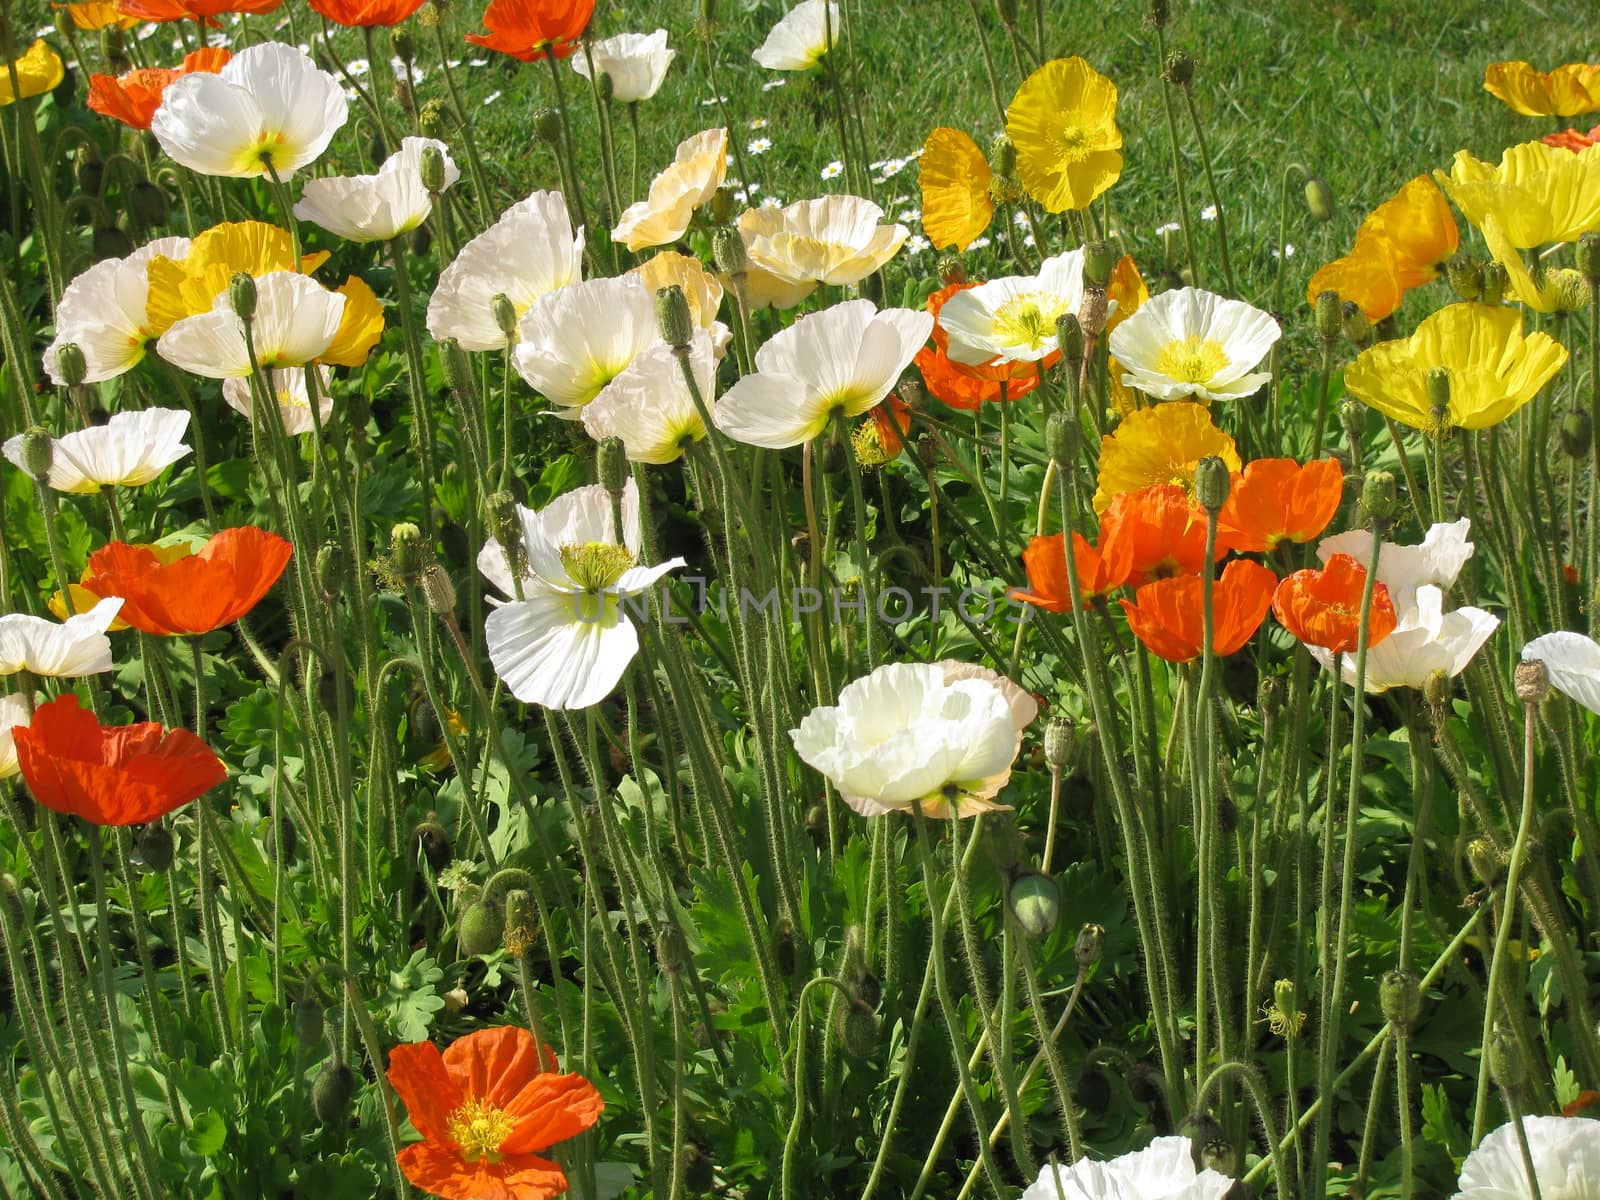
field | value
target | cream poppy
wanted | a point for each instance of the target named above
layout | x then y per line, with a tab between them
566	641
270	104
701	289
844	359
1566	1159
530	251
697	171
942	736
105	313
1573	661
130	449
798	42
15	710
1014	318
649	405
1191	342
373	208
832	239
74	647
1163	1170
576	340
294	402
296	320
635	62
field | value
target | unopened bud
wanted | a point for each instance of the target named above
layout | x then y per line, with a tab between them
1587	257
1531	681
1286	999
1379	496
1465	274
951	269
437	590
1099	260
1319	199
1577	433
673	317
505	315
1353	417
1507	1067
729	253
435	844
1329	316
482	927
1211	483
242	295
309	1022
1059	739
1484	860
1400	998
1062	436
611	462
38	451
91	175
71	364
783	944
331	1092
522	923
110	242
1436	688
1179	68
455	366
431	124
1354	323
148	203
431	167
154	848
1438	381
1493	283
1159	14
547	125
858	1030
1090	945
1035	901
331	565
405	550
1069	338
672	952
405	46
1003	156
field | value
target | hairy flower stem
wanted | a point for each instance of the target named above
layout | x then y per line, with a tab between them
481	195
1216	194
791	1139
421	404
1180	184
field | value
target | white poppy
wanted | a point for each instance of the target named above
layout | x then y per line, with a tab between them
1425	639
269	103
1014	318
1437	560
1566	1159
530	251
578	339
844	359
15	710
104	312
566	642
296	319
649	405
832	239
130	449
68	649
636	63
1163	1170
697	171
797	43
943	734
1191	342
1573	661
294	402
372	208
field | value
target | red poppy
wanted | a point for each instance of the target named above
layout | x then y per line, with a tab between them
530	29
359	13
1571	139
202	591
121	775
1046	561
1323	608
134	97
484	1107
204	11
1276	499
961	386
1168	616
1161	531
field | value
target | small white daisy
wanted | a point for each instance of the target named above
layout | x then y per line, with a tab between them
713	102
1208	213
742	197
771	202
754	188
910	214
1019	218
758	122
894	166
833	170
1288	251
916	244
759	146
477	62
979	243
1027	240
357	67
1169	227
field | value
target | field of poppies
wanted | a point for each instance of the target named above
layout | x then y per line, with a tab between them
833	598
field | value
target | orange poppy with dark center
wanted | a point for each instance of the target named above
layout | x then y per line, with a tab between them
1276	500
1168	616
530	29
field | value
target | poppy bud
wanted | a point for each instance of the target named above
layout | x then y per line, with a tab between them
1379	496
723	204
331	1092
148	203
405	47
431	124
1465	275
405	550
1436	688
1069	337
1003	156
611	465
431	167
1061	439
912	394
673	316
154	848
1059	739
1400	997
434	842
1329	316
951	269
1531	681
1179	68
437	590
1438	380
91	175
1506	1065
1354	323
482	927
1319	199
113	43
309	1022
242	295
816	822
1219	1155
1211	483
1493	283
1035	900
672	952
698	1169
1577	433
728	252
505	315
1587	256
280	832
1353	417
1099	260
1484	860
1089	946
1158	14
111	242
869	988
1286	1003
406	100
857	1027
783	938
38	449
547	125
1269	694
331	564
71	364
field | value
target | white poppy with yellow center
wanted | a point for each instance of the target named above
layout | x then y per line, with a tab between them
104	312
696	172
373	208
294	402
575	341
1013	319
296	319
129	450
649	406
1191	342
832	239
798	42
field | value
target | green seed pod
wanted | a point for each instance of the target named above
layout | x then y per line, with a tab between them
1465	274
1329	316
1507	1067
857	1027
482	927
148	203
91	175
331	1092
1354	323
505	315
1219	1155
723	204
1160	12
951	269
332	568
1069	337
431	122
1179	69
1436	688
1089	946
1003	156
1587	256
672	952
1400	998
1035	900
611	462
547	125
154	848
1319	199
1379	495
405	550
71	364
1062	436
1494	283
1353	418
405	46
673	316
1438	379
729	253
437	590
1211	483
1484	860
1099	260
38	451
242	295
309	1022
1060	740
1531	681
434	841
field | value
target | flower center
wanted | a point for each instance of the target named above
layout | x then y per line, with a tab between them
594	566
1028	320
268	148
1072	143
1192	360
478	1128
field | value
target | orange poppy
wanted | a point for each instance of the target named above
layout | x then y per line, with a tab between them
1168	616
892	420
1571	139
134	97
204	590
1400	245
484	1107
365	13
204	11
97	14
961	386
530	29
1046	562
1158	531
1276	499
111	775
1323	608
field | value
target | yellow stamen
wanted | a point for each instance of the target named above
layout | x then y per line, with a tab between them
1028	320
1192	360
594	566
478	1129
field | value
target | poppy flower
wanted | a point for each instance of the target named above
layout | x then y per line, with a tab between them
1565	1154
1155	533
133	98
697	170
1436	561
961	385
1100	570
359	14
530	29
111	775
636	63
1276	500
1399	246
1323	608
802	37
371	208
649	405
485	1107
185	277
1537	193
956	202
1063	123
97	14
832	239
1159	445
295	322
77	646
1564	92
1190	342
1165	1168
1168	616
205	11
39	70
1573	661
574	341
1572	139
130	449
15	710
204	590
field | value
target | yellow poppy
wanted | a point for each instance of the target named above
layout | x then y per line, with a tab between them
1366	275
1558	289
183	288
359	328
1538	193
1416	222
98	14
1494	369
1564	92
955	178
38	71
1160	444
1128	288
1063	123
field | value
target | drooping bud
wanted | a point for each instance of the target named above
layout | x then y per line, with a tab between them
280	838
1211	483
1062	436
1353	418
1400	998
405	46
242	295
437	590
729	253
951	269
1484	860
724	203
858	1030
1329	316
783	945
71	363
1438	379
1465	274
1090	945
148	203
434	842
1493	283
309	1022
1035	900
331	1092
1059	743
1577	433
1507	1067
673	316
611	462
547	125
110	242
431	167
1587	257
1269	695
505	315
38	451
1531	681
1319	199
1099	260
482	927
1353	321
1179	68
154	848
1379	496
672	952
91	174
699	1170
455	366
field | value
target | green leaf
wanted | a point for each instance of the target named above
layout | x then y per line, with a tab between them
208	1134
